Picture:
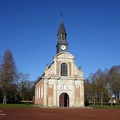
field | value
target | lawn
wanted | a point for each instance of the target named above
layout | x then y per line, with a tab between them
106	106
16	106
25	105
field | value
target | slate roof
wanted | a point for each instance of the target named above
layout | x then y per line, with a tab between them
61	28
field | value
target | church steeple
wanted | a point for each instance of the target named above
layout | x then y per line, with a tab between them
62	45
61	28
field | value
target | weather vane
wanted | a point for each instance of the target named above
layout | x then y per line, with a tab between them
61	14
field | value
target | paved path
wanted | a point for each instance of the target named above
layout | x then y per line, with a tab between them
59	114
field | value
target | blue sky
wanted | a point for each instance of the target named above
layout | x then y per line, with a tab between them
29	29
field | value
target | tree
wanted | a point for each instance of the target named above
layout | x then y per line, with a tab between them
88	91
116	80
0	82
26	87
8	74
101	85
92	78
113	84
99	92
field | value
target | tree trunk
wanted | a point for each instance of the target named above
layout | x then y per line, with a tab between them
111	102
102	98
111	98
4	97
94	100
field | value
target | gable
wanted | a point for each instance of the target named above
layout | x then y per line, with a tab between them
64	55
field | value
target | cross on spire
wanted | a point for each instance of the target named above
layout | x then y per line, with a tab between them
61	14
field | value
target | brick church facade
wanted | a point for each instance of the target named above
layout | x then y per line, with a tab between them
62	84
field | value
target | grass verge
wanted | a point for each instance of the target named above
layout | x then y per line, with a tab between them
105	106
16	106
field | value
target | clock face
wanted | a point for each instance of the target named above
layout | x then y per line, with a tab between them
63	47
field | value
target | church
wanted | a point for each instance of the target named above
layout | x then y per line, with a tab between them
62	84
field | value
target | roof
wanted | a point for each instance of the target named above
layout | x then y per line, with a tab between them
61	28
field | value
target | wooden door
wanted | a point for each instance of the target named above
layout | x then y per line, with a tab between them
64	100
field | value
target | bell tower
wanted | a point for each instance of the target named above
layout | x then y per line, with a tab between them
62	45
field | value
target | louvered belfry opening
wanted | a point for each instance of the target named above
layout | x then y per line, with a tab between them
64	100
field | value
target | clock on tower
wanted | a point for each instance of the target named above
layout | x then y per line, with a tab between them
63	47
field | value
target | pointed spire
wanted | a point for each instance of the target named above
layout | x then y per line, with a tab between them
61	29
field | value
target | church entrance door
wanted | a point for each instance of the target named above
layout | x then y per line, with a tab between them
64	100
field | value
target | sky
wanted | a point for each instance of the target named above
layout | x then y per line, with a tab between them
29	29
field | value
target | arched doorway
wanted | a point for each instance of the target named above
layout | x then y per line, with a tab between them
64	100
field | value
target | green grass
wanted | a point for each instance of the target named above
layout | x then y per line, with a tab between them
25	105
16	106
105	106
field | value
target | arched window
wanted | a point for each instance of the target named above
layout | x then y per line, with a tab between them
64	69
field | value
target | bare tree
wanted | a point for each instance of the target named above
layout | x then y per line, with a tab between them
109	80
92	77
8	74
26	87
116	79
98	86
88	91
113	79
0	82
23	85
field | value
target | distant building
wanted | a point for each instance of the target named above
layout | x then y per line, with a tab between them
113	100
62	84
